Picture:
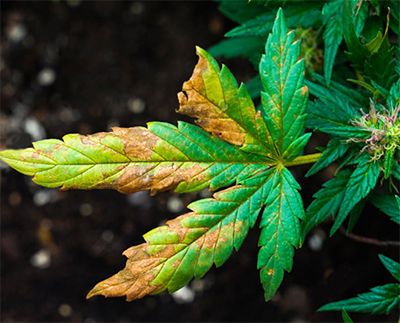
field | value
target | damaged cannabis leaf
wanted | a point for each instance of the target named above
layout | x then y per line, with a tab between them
236	145
245	152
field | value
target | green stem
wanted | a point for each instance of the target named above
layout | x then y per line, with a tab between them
302	160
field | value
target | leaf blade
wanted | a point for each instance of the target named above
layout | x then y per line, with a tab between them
333	34
156	158
392	266
387	204
333	151
280	230
361	182
284	98
381	300
327	201
213	97
190	244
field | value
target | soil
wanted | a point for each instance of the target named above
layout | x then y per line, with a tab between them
84	66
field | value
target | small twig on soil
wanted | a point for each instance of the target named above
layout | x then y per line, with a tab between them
372	241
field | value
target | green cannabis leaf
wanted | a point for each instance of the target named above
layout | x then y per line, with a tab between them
361	182
346	318
283	106
280	230
366	139
388	204
284	98
327	201
380	300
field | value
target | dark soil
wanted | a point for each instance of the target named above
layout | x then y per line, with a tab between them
109	59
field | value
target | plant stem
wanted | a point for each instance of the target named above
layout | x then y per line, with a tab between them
372	241
302	160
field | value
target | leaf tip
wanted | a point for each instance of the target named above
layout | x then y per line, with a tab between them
5	154
95	291
200	51
279	14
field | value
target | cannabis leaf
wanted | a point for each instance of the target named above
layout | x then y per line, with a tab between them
189	245
327	201
332	19
361	182
284	98
392	266
283	106
388	204
226	111
380	300
333	151
234	145
280	230
133	159
333	33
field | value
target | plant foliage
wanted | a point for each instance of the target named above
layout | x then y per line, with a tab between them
380	300
233	145
245	151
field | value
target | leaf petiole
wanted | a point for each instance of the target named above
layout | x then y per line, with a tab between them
302	160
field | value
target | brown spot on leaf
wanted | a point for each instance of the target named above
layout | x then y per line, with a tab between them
176	263
140	177
138	142
211	116
304	90
142	267
87	140
210	239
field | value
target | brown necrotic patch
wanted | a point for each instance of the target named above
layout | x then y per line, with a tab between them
134	281
211	116
138	142
147	170
142	267
156	177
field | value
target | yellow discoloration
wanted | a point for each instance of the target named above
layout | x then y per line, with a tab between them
195	103
141	269
138	144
